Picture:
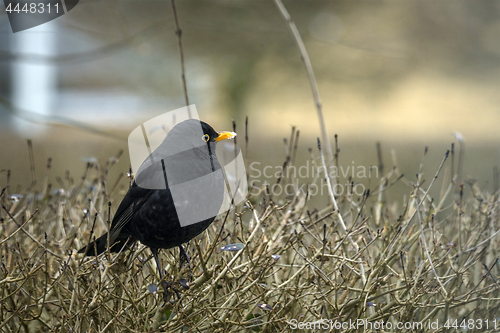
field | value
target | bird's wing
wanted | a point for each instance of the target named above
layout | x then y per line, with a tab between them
131	203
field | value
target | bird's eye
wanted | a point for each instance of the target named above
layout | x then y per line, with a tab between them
205	137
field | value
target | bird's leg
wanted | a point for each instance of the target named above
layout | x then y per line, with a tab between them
163	282
183	256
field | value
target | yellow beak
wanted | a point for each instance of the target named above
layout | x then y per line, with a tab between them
225	135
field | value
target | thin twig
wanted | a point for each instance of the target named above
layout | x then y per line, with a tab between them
339	215
178	33
310	74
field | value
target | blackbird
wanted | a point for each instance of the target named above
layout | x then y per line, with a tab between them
150	211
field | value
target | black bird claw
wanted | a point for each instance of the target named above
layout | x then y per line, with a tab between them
166	296
184	283
176	292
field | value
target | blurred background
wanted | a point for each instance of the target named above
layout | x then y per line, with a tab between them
406	74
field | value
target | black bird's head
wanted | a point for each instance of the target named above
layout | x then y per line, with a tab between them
192	134
210	135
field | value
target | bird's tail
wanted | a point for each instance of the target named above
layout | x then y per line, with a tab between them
100	244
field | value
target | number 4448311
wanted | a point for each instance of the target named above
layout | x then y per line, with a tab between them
472	324
32	8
